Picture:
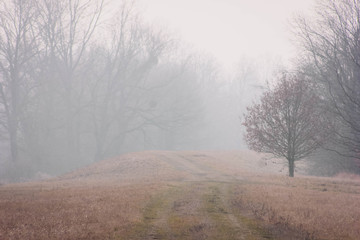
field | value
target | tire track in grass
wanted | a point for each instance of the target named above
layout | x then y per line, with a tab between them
196	169
227	225
152	225
180	214
192	210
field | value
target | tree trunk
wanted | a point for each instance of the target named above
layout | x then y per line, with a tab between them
13	117
291	167
13	145
99	154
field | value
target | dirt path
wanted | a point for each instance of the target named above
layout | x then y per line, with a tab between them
193	210
196	170
179	195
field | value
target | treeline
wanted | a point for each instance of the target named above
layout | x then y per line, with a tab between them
81	81
77	86
317	105
84	80
331	58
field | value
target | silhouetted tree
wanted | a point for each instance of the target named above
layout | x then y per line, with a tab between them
331	47
77	86
18	46
120	84
287	122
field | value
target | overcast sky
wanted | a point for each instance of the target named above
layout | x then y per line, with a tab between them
229	29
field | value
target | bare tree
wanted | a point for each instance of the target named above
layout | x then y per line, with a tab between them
135	90
118	104
46	45
69	95
287	122
178	104
67	30
18	46
332	59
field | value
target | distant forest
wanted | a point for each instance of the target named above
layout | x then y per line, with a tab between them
78	86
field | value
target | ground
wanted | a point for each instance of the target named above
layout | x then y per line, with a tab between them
181	195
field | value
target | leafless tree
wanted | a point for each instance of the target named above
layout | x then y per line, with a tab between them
18	46
119	84
76	87
140	88
331	44
179	103
67	30
287	122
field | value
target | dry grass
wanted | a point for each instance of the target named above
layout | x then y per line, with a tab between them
348	176
316	208
132	167
45	211
162	165
122	197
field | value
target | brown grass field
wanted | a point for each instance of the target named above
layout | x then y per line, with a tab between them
182	195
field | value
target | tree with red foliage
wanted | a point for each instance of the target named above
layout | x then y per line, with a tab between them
288	121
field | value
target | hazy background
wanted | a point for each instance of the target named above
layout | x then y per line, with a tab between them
132	76
230	29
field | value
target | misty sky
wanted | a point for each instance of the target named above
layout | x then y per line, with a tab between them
229	29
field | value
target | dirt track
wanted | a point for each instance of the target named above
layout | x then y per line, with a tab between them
194	210
196	169
151	195
196	206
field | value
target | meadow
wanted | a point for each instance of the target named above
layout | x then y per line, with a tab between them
182	195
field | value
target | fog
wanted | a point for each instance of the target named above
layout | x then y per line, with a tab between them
82	81
230	29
